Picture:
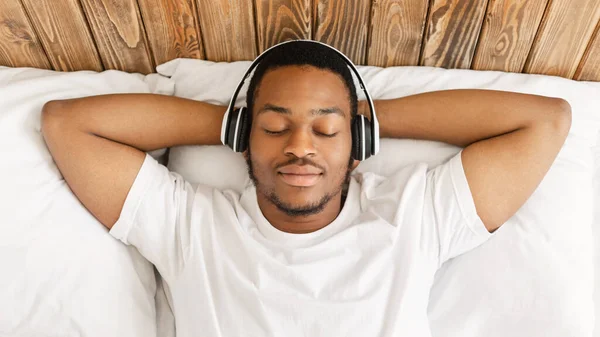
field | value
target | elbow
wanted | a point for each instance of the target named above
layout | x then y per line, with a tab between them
562	106
561	115
51	113
52	108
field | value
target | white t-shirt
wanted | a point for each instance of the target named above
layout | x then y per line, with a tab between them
229	272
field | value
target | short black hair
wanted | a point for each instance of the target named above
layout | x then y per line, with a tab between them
302	53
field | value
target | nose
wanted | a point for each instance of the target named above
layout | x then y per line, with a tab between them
300	143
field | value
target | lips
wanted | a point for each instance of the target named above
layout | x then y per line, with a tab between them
300	170
300	175
300	180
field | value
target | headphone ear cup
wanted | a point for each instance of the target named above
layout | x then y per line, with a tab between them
356	134
244	134
368	138
361	137
231	124
234	129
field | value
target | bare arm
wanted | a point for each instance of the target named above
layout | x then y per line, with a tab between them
510	139
97	142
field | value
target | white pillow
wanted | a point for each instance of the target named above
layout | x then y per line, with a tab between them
596	229
61	273
535	277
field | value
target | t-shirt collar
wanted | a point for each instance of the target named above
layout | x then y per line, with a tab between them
349	211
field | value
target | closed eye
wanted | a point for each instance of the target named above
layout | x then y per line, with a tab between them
326	134
273	132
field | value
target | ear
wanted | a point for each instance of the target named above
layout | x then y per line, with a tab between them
354	164
245	154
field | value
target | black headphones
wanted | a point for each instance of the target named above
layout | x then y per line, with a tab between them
365	135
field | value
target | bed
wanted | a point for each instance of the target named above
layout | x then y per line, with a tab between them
199	49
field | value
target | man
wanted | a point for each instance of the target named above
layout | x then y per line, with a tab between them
295	255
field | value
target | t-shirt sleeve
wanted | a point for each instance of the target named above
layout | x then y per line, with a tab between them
155	217
450	209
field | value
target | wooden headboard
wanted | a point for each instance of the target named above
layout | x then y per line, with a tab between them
554	37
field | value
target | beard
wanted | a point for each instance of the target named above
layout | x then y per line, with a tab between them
287	208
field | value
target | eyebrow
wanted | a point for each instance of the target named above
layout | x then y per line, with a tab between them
315	112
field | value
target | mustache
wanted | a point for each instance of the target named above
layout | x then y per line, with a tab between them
300	162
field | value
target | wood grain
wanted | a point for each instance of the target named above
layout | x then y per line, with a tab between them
228	29
589	68
119	34
553	37
281	20
451	33
19	45
344	25
68	42
507	34
396	32
563	37
172	29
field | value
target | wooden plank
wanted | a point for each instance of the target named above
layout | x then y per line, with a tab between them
589	67
228	29
19	45
451	33
119	34
63	30
281	20
172	29
396	32
563	37
343	24
507	34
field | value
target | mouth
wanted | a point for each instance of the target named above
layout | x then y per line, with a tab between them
300	180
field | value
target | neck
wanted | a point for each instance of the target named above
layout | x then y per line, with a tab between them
300	224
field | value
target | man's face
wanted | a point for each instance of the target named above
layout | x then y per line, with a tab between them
300	141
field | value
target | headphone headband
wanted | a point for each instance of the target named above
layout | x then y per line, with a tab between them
374	121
